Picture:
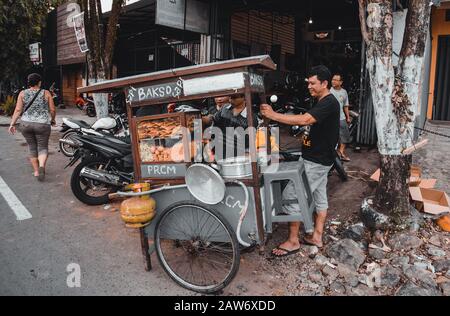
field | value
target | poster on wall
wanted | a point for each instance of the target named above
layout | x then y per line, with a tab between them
191	15
80	32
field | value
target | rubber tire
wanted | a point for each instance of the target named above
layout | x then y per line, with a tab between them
237	256
91	112
61	147
339	167
79	193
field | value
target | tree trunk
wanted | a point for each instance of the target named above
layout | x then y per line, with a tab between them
101	43
392	192
395	94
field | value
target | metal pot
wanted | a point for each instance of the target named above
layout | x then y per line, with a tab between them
234	168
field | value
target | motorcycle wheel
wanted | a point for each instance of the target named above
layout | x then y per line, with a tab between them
88	191
339	166
90	111
68	150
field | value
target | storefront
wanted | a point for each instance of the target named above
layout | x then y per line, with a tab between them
70	61
439	96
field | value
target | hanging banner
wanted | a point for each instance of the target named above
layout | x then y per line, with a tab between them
80	32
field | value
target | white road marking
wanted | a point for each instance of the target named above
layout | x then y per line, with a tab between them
13	202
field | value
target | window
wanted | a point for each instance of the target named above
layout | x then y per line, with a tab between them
447	15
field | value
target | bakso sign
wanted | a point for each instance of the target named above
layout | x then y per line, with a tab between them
198	86
157	92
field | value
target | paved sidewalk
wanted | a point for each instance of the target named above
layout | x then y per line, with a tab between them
71	112
434	157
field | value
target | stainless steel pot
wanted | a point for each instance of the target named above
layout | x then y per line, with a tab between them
234	168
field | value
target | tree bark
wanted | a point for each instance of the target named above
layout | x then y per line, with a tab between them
101	43
392	192
395	94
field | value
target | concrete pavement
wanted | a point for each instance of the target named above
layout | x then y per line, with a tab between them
35	253
434	157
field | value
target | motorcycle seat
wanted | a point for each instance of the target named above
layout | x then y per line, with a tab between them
114	143
80	123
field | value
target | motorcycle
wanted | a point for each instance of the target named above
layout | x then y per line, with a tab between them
86	105
111	126
55	96
106	166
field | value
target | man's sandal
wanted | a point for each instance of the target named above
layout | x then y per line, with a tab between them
287	252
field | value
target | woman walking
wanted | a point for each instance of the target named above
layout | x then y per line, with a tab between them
38	112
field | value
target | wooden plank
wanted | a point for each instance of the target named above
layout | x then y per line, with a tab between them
256	177
410	150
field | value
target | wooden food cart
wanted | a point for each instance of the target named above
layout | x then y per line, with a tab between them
183	227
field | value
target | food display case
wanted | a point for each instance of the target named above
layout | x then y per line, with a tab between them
166	144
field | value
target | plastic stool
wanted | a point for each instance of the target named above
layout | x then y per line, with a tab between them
273	178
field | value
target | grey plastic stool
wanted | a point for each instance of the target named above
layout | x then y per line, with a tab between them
274	176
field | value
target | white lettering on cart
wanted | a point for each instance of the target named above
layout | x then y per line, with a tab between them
230	202
162	170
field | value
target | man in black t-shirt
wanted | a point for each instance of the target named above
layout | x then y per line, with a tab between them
319	150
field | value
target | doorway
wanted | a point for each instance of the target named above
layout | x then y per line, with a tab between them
442	86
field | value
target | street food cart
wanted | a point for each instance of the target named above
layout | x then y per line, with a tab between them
204	220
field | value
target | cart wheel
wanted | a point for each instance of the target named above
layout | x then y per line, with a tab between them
197	247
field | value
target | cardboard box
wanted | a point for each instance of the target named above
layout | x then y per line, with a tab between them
415	180
431	201
416	176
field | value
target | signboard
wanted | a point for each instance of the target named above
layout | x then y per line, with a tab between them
191	15
80	32
156	92
170	171
35	53
68	48
214	83
197	86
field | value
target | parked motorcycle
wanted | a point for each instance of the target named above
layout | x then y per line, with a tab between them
106	166
86	105
116	126
56	96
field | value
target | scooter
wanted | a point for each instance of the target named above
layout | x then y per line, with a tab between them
106	166
55	96
86	105
116	126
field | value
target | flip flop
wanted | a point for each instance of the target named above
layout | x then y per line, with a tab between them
306	242
288	252
345	159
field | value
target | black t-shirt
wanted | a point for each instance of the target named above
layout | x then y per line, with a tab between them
320	145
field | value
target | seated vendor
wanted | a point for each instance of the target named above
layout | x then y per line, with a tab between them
231	115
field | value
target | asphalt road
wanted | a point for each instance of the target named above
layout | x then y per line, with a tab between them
36	253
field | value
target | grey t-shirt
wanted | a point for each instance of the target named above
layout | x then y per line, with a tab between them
342	96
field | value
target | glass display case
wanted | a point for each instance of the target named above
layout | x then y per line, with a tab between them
167	138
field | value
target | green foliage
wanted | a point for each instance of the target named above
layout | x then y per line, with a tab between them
21	23
9	106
